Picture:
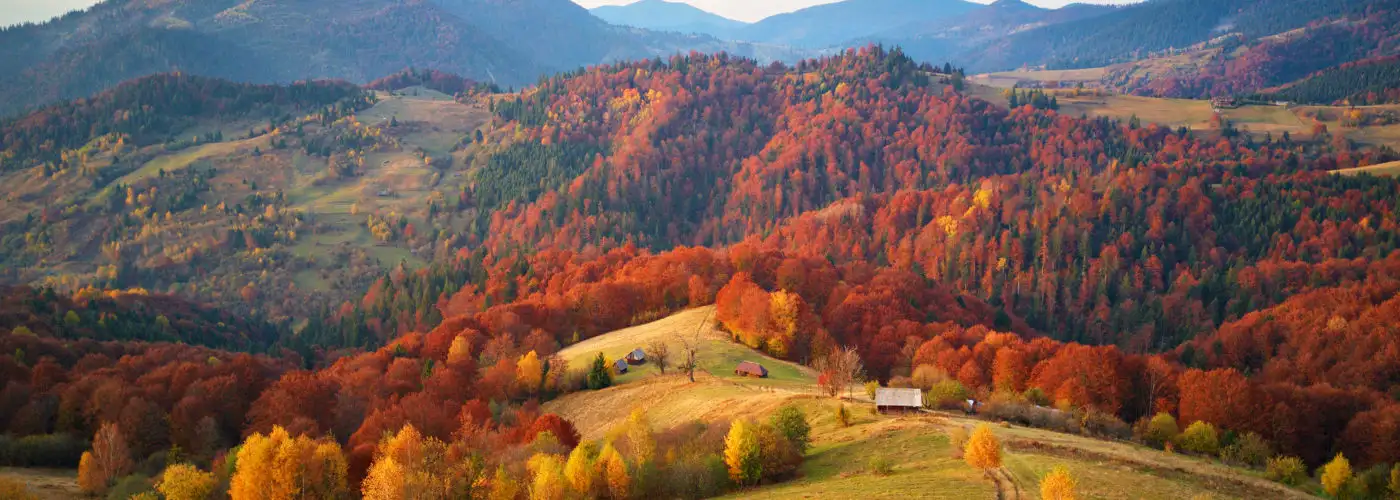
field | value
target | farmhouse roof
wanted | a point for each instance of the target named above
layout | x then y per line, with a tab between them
751	368
638	354
906	398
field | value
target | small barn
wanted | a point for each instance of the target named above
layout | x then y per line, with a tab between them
636	357
620	366
889	399
751	369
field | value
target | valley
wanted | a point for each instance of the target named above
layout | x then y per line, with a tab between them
518	249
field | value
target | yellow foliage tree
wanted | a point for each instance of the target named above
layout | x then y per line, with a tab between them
409	465
613	470
641	442
460	351
1335	475
185	482
109	459
742	453
89	480
983	450
385	480
529	372
548	483
1058	485
579	468
502	486
784	312
278	466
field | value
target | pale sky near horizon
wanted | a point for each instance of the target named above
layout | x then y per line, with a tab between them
19	11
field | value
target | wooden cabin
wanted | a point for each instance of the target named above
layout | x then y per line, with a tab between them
751	369
890	399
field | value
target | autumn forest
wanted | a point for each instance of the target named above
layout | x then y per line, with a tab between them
212	328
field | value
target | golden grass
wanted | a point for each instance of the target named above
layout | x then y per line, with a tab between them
717	354
182	159
47	484
1383	169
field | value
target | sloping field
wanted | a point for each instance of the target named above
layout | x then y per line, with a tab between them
47	484
1383	169
924	466
717	355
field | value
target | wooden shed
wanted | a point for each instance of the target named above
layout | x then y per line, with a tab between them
636	357
889	399
620	366
751	369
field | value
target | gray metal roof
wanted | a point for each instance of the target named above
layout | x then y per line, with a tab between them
909	398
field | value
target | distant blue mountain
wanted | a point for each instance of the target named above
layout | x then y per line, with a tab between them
661	15
839	24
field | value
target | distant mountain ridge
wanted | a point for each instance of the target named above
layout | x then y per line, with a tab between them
829	25
508	42
663	15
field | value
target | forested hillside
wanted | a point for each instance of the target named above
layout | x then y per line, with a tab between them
1151	27
856	206
1365	82
280	41
1241	65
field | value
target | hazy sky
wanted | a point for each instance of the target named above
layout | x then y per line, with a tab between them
18	11
753	10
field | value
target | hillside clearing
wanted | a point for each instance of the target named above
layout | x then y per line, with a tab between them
1383	169
717	353
838	465
47	484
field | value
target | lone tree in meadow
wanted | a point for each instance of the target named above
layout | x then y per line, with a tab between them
659	354
1058	484
599	377
983	450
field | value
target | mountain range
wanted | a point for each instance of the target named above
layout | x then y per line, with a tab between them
662	15
513	42
510	42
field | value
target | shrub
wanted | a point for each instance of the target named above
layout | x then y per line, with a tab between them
1249	449
1036	396
843	415
1159	430
130	486
1286	470
870	388
792	424
1104	425
43	450
185	482
957	439
1335	475
1371	483
946	394
881	466
15	490
1200	437
983	449
1059	484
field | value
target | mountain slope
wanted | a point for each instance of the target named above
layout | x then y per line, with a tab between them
834	24
943	39
1137	30
662	15
509	42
